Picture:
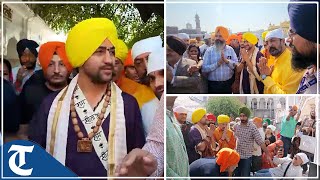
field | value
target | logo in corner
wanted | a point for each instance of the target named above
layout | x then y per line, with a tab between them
21	150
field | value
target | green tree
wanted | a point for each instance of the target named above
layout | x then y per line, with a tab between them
133	24
224	105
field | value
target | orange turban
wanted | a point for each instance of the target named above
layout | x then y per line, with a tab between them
227	157
232	37
257	119
295	107
47	51
128	61
223	31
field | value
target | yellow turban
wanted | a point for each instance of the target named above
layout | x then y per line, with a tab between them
223	31
250	37
263	35
223	119
198	114
121	50
191	41
85	37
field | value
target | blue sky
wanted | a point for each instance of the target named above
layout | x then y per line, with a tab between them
236	16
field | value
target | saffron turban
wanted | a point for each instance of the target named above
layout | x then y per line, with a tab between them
128	61
295	107
176	44
146	46
257	119
121	50
245	111
47	51
263	35
85	38
303	20
227	157
277	33
223	31
198	114
250	37
156	60
23	44
223	119
232	37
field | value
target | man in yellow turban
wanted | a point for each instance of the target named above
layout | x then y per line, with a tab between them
250	80
88	125
223	135
144	95
199	133
219	63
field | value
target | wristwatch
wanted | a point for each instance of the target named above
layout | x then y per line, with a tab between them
263	76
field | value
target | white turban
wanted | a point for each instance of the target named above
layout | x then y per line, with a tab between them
156	60
207	36
277	33
183	36
180	109
272	127
303	157
146	45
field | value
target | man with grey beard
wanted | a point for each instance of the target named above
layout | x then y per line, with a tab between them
303	42
219	62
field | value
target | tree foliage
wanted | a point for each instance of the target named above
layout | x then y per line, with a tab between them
126	17
224	105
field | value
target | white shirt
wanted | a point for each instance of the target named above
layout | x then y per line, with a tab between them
258	152
293	171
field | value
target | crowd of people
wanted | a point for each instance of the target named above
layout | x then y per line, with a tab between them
226	63
86	98
212	146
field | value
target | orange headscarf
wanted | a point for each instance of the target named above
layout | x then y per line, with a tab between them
227	157
257	119
47	51
128	61
231	37
223	31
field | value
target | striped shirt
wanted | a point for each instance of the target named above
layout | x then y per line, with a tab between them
246	136
221	72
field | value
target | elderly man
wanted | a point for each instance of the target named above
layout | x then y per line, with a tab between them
280	78
140	53
180	113
303	42
219	62
28	63
88	126
56	70
250	80
178	78
156	71
247	133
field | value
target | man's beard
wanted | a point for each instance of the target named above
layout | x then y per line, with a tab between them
97	78
274	51
219	44
300	62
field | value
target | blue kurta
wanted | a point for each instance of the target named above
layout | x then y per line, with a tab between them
89	164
